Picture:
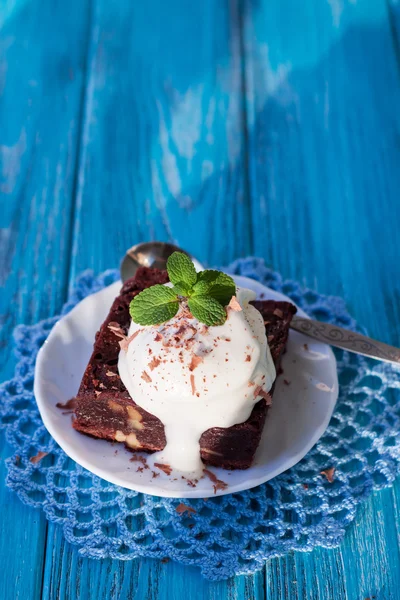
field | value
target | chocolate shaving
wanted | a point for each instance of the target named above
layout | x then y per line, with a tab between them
124	344
35	459
260	392
183	508
146	377
141	459
305	486
286	382
234	304
305	346
159	337
218	484
116	329
155	474
248	358
166	468
70	405
196	360
192	383
329	474
154	363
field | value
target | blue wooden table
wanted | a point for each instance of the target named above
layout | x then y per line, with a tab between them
266	127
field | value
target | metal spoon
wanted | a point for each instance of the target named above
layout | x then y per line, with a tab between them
347	340
150	254
155	254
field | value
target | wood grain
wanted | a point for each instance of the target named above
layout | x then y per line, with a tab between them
41	80
69	576
163	131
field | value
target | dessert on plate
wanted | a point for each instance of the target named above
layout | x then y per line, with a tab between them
184	366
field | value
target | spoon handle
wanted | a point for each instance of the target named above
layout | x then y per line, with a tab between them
348	340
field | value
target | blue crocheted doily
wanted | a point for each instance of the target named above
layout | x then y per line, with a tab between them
231	534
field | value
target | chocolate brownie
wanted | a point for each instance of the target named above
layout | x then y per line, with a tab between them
104	408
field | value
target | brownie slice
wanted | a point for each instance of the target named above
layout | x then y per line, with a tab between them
235	447
104	408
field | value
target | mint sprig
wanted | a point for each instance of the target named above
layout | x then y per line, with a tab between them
206	294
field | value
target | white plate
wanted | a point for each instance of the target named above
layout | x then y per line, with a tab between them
298	417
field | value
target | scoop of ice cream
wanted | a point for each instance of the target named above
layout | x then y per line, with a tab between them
194	377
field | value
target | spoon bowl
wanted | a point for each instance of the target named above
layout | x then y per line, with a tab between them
150	254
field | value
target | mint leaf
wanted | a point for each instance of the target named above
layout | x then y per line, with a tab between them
181	289
201	288
207	310
181	269
218	285
154	305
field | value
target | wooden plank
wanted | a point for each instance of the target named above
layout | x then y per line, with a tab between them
162	134
68	575
161	140
394	19
287	578
322	95
370	553
41	79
